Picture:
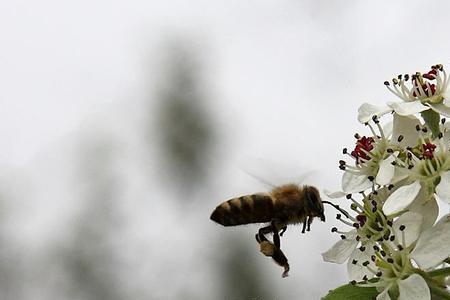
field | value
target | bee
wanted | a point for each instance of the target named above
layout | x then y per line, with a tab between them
284	205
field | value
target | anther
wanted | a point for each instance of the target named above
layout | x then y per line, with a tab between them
344	151
343	237
379	274
443	120
368	236
354	261
356	225
424	129
338	216
383	253
365	278
373	258
389	150
399	76
353	206
357	238
357	136
440	135
390	260
402	227
389	222
374	209
418	127
376	248
392	238
366	263
348	196
375	119
371	178
400	138
386	83
334	229
362	248
342	167
374	203
400	247
406	77
410	167
394	163
390	187
342	162
353	282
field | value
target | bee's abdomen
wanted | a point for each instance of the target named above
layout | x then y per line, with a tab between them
244	210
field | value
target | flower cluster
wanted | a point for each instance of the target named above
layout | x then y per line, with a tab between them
395	242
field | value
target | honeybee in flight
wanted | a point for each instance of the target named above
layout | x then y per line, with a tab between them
283	206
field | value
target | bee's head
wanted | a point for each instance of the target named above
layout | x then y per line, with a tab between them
314	202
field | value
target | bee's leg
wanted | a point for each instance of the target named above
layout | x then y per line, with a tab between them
279	257
262	232
276	237
283	230
304	226
309	223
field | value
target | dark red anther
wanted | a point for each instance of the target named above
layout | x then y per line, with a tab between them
428	150
430	75
361	220
363	143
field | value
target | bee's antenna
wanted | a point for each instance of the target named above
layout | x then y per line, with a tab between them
338	208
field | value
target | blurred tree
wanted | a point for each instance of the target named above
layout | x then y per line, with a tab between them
241	275
91	259
12	269
184	129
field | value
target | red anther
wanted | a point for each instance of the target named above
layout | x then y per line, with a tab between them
361	220
430	75
364	143
433	88
427	150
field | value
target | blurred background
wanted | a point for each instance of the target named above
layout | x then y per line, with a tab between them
124	123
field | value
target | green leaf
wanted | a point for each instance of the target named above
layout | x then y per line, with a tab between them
352	292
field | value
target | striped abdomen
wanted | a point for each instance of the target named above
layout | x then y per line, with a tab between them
244	210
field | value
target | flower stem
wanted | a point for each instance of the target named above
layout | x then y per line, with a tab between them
432	119
440	272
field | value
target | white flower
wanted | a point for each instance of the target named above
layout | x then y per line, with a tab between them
373	161
426	91
428	248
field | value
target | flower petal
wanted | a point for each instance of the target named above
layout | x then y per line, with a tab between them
414	288
387	129
432	247
401	198
406	127
429	210
358	271
341	251
407	108
443	188
440	108
413	225
367	111
385	171
352	183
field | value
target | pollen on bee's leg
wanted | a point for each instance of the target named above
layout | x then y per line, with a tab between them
267	248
